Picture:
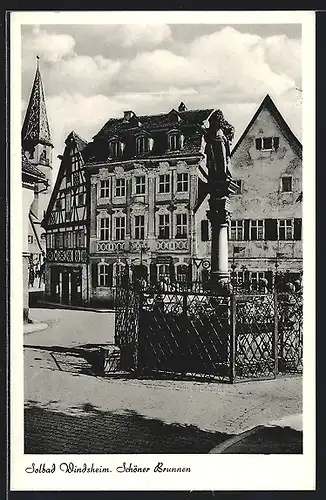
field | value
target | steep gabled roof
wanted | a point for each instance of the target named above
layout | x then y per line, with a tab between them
36	126
72	140
267	103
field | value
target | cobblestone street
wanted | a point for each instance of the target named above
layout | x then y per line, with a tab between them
69	411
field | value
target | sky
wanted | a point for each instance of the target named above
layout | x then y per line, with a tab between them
94	72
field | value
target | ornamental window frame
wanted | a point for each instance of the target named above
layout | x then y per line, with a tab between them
164	183
139	227
181	225
104	225
120	227
140	184
182	182
103	274
104	188
120	187
164	226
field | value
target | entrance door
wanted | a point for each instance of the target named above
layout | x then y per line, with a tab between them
76	287
55	285
65	288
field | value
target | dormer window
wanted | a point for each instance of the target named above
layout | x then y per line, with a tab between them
142	144
174	141
115	148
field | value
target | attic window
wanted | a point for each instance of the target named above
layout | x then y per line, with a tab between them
174	141
115	148
142	144
267	143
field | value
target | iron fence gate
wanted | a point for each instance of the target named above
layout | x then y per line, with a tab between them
192	331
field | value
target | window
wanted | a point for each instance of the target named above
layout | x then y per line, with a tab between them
142	144
238	183
80	238
174	142
267	143
164	227
115	148
182	182
120	228
139	227
30	238
164	183
120	187
103	275
140	184
80	200
104	229
58	205
181	226
285	229
257	230
286	184
105	189
182	273
237	230
163	271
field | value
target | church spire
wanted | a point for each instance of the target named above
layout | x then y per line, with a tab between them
36	128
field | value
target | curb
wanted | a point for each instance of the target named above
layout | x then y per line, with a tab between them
73	308
34	327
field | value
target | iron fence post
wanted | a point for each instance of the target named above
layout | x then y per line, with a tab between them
184	303
233	338
275	335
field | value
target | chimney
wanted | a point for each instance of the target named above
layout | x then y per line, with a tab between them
182	107
127	115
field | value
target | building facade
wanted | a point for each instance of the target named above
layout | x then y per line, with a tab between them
134	200
36	166
265	229
67	229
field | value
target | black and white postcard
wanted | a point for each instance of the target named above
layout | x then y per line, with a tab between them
162	250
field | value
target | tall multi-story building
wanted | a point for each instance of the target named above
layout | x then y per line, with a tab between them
266	219
142	187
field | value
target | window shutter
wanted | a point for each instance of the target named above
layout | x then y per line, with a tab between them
153	274
189	273
204	230
246	278
258	144
276	143
297	229
246	229
269	277
94	275
110	274
271	229
172	271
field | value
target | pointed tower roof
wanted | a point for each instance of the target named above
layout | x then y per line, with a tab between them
36	126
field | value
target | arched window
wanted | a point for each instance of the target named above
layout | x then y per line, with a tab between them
142	144
174	141
115	147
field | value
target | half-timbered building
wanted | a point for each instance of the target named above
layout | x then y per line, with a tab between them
66	223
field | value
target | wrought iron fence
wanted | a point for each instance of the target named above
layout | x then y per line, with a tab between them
188	329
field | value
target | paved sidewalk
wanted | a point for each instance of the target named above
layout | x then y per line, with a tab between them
119	415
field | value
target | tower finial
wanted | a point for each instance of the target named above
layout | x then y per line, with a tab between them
38	61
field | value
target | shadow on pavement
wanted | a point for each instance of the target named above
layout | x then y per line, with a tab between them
94	431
